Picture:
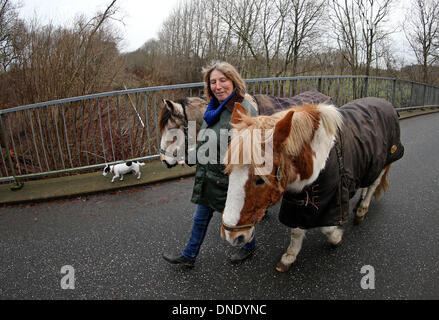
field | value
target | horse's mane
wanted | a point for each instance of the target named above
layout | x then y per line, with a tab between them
164	117
305	122
248	146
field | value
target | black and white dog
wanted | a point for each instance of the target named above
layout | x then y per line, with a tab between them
123	168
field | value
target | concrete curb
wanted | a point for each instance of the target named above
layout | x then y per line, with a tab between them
92	183
417	112
86	184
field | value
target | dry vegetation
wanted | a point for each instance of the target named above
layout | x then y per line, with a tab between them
261	37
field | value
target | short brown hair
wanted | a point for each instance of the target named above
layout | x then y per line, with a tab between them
229	71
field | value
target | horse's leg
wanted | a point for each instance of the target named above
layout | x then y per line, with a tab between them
293	250
362	196
363	206
334	235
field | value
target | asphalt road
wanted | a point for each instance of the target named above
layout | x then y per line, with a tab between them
115	241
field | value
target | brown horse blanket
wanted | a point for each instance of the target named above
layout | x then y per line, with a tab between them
367	143
268	105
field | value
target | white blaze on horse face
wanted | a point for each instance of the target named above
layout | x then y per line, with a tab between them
235	197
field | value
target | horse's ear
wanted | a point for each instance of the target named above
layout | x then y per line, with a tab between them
282	130
173	107
238	110
168	104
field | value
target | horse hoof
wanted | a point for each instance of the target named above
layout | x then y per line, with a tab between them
359	220
280	267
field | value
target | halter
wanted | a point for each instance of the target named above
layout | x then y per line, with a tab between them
250	225
238	228
185	130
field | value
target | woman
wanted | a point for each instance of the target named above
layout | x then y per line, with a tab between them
223	86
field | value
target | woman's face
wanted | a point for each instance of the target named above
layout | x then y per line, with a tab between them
221	86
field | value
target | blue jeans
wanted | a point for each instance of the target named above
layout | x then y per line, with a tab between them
202	218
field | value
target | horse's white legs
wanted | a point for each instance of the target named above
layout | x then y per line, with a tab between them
334	235
366	196
293	250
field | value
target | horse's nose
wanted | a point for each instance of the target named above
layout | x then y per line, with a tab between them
239	240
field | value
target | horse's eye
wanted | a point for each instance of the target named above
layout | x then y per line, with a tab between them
260	181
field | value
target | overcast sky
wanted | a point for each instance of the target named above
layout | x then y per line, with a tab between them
143	18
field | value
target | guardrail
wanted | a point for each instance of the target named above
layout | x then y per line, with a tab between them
84	133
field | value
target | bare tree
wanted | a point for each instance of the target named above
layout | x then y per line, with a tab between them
242	18
359	26
304	26
9	25
422	32
57	62
373	14
346	31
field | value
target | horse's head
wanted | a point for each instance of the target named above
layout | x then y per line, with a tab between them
253	188
173	127
253	184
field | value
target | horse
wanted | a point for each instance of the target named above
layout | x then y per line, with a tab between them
176	115
321	155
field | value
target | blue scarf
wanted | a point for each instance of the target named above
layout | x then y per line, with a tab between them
214	108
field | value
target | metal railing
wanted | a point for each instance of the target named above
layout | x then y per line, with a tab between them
85	133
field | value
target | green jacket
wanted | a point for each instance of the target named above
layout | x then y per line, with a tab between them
211	183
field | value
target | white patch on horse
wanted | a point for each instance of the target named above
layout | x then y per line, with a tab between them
322	143
235	196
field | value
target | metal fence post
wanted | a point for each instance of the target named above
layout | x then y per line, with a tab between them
18	185
366	86
411	95
354	88
393	91
424	98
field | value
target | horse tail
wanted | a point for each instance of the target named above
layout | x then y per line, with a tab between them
384	183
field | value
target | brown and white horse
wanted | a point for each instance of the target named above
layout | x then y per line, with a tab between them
301	139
